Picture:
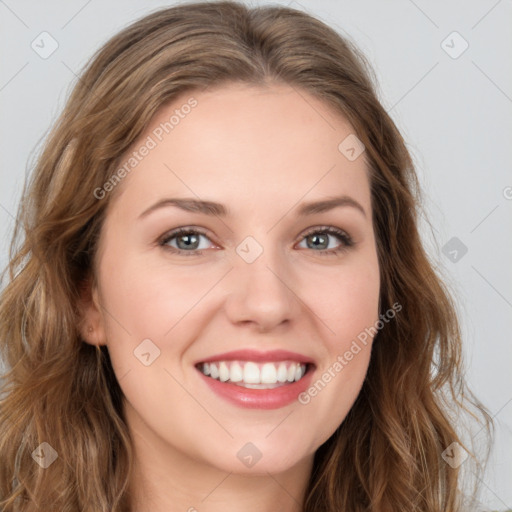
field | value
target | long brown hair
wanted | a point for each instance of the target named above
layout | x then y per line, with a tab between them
387	454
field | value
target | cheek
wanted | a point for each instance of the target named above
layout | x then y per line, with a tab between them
145	316
348	308
148	299
152	301
347	302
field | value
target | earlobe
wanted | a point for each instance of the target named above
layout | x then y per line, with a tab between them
91	329
93	336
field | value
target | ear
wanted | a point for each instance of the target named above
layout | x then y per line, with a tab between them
92	329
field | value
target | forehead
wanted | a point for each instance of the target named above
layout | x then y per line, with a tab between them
242	145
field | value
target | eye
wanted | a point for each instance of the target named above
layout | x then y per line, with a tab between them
318	238
187	241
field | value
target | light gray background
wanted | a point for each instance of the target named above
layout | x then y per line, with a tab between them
455	114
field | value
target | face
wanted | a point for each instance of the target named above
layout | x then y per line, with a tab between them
261	285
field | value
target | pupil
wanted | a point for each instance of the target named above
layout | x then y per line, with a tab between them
189	243
317	237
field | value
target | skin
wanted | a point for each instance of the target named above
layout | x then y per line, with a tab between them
261	152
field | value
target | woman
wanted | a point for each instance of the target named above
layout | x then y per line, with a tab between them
222	300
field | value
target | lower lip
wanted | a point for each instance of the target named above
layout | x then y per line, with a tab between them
259	398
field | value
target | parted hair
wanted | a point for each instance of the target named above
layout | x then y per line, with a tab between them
386	456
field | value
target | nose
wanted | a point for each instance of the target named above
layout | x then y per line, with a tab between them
262	294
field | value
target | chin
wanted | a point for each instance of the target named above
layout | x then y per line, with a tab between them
253	458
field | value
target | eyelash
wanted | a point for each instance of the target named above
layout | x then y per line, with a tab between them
344	237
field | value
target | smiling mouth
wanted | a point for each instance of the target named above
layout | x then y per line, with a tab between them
255	375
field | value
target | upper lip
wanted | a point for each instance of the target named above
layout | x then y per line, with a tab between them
258	356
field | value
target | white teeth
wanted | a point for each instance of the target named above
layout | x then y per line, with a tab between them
282	373
223	372
255	375
236	373
251	373
214	371
268	374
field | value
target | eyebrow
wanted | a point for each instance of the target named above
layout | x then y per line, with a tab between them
217	209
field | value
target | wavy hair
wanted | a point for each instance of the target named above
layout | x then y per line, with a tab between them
387	454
